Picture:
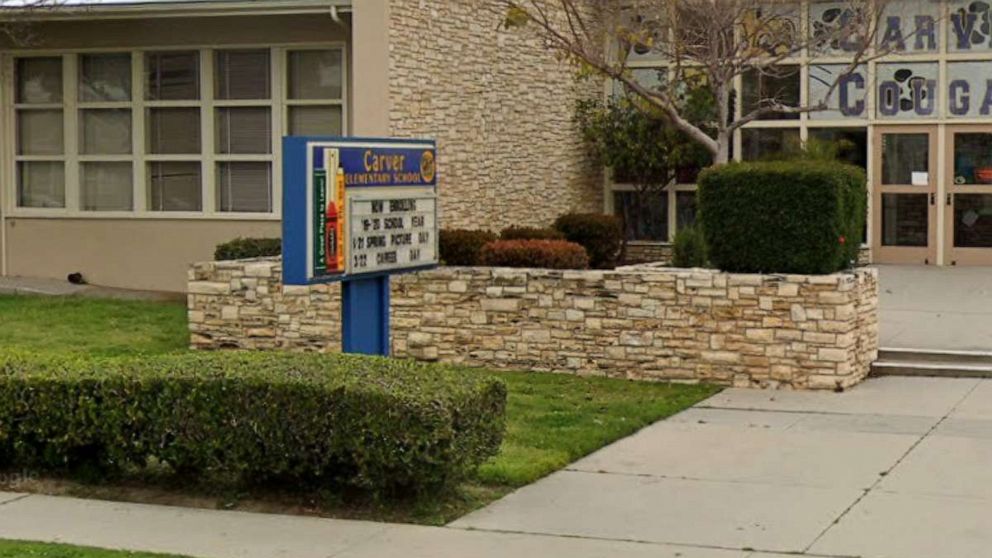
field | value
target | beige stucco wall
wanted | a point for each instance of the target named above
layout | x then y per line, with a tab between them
501	107
148	254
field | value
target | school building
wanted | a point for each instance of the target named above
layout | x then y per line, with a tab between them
137	136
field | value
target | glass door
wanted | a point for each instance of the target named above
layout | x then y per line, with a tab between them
968	199
904	208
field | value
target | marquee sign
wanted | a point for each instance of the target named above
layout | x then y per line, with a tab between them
356	211
356	208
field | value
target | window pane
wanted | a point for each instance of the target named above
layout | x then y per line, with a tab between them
645	215
104	77
905	219
973	221
769	143
39	80
685	209
105	131
242	74
173	130
780	85
315	74
244	187
174	186
973	158
903	155
172	76
907	90
967	85
315	121
849	97
969	26
244	130
849	145
106	187
41	184
39	132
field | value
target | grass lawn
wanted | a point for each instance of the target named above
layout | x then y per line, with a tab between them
552	420
15	549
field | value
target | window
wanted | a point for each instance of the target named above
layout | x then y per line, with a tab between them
769	143
849	145
644	214
780	84
172	76
315	92
160	131
105	123
243	129
40	132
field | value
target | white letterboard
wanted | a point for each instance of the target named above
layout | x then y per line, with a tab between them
391	232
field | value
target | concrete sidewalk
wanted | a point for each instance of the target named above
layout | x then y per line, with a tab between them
897	467
936	308
36	286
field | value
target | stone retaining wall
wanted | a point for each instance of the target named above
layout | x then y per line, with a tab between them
803	332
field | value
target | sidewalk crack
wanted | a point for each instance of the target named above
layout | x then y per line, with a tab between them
15	500
887	472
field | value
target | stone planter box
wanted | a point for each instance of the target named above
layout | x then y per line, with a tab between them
645	323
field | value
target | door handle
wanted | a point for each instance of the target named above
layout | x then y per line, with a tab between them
933	198
950	199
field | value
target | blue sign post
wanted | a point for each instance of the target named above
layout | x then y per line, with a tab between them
356	211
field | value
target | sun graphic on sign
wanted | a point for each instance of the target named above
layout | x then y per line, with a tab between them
428	167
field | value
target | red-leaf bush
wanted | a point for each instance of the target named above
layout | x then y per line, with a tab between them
546	254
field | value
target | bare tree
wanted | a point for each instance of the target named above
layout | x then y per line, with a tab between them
706	42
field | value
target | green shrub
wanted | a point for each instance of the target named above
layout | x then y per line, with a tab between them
530	233
545	254
600	235
462	247
689	248
381	425
783	217
247	248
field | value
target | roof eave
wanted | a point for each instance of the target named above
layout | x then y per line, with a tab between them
203	8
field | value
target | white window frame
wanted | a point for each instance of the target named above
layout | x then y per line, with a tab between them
279	106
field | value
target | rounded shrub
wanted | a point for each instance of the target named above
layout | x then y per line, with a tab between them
248	248
546	254
601	236
783	217
689	248
381	425
461	247
530	233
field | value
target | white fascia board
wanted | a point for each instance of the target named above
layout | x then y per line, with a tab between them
124	9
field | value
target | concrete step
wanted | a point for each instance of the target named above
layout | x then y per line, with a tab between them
920	362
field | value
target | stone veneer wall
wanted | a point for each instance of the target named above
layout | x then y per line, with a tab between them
501	106
803	332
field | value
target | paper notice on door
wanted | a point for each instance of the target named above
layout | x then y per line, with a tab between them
921	178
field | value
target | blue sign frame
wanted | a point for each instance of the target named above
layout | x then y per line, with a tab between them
367	165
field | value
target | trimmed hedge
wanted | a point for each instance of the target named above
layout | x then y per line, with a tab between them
462	247
248	248
546	254
530	233
381	425
783	217
601	236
